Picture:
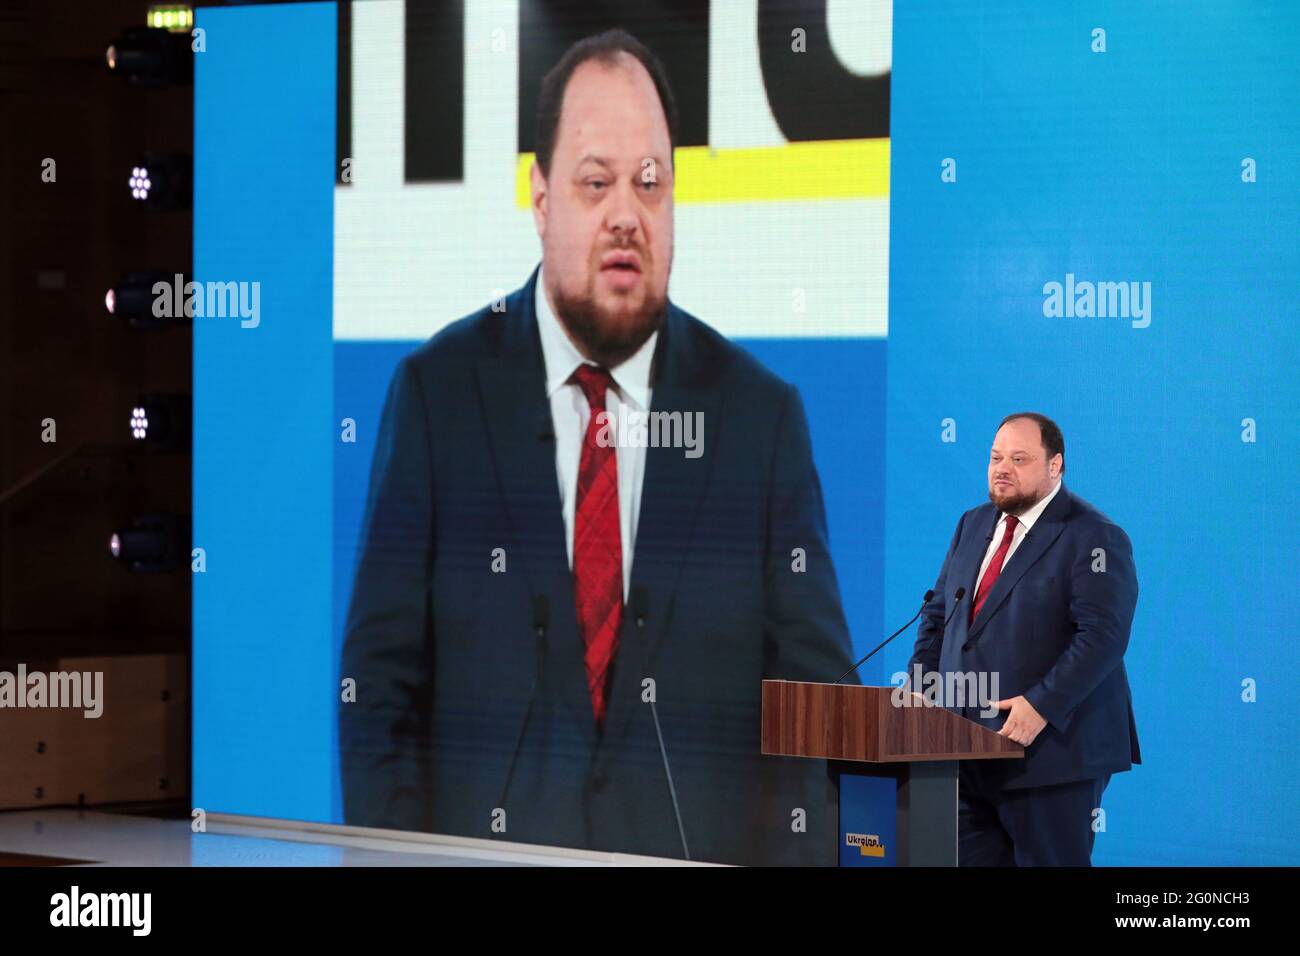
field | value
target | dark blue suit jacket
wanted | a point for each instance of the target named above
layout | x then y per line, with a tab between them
443	649
1054	628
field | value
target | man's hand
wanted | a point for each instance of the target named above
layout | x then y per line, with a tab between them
1023	723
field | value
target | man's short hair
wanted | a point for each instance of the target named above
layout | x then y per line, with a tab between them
1049	431
606	48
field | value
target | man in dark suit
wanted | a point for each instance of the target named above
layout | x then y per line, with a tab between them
1050	591
528	583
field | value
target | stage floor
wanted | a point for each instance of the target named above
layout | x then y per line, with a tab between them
71	837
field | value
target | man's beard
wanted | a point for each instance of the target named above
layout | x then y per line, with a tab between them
1014	505
605	339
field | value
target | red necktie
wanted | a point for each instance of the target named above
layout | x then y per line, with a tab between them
995	567
597	542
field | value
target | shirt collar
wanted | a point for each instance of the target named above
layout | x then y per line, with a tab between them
561	356
1033	514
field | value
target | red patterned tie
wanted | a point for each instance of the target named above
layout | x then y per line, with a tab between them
597	543
995	567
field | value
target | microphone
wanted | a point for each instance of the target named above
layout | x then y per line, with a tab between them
958	595
961	593
541	621
924	601
546	427
957	599
542	615
640	605
640	611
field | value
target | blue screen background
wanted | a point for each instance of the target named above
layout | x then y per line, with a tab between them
1115	166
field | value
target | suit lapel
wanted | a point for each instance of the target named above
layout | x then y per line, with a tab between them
674	484
671	496
1042	536
967	569
512	386
973	556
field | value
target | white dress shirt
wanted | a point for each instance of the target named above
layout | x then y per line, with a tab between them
1026	521
570	414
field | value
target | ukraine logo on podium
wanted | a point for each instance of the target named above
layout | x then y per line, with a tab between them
868	820
868	844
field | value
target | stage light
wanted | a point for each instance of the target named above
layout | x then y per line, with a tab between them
161	422
133	298
140	183
161	180
155	542
152	57
176	18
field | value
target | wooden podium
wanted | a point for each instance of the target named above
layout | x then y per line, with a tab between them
860	730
